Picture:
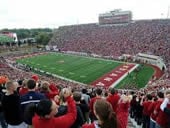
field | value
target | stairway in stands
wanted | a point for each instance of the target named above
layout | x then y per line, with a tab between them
132	123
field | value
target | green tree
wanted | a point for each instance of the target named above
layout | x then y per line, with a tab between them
28	33
43	38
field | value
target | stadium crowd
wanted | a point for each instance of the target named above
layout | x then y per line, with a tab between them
27	88
147	36
41	104
42	101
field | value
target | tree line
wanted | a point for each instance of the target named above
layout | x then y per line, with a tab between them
41	35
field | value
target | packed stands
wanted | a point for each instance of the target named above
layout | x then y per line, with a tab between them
147	36
144	36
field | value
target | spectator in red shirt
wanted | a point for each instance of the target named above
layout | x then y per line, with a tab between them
146	113
53	88
164	107
162	118
43	113
113	98
98	92
23	90
50	93
35	77
123	111
151	108
105	115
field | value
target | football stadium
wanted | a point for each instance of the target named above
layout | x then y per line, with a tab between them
111	74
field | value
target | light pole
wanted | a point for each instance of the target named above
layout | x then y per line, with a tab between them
168	13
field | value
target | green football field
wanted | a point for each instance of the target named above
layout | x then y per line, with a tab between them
84	69
78	68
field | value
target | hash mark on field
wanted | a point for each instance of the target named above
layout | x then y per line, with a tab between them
44	66
38	64
60	70
82	76
71	73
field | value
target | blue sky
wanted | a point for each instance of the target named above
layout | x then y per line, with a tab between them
54	13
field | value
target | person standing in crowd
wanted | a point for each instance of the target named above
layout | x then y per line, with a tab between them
98	92
23	89
43	114
133	107
113	98
165	107
139	109
11	107
85	96
105	115
123	110
80	118
83	106
50	93
146	113
160	96
2	118
161	118
30	97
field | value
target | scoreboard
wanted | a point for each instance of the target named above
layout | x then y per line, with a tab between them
115	17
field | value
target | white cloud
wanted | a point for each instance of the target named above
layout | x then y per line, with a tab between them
53	13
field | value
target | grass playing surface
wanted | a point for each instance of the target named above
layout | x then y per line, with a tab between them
137	78
78	68
85	69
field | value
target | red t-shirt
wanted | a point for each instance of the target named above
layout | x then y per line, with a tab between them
151	110
23	90
155	112
64	121
113	100
122	114
53	88
50	95
162	118
146	105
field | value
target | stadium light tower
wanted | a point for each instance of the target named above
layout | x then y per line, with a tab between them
168	13
77	22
